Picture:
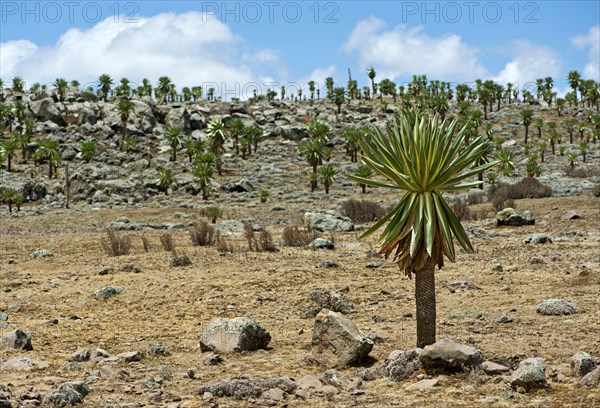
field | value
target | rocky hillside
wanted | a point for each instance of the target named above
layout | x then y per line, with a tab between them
117	177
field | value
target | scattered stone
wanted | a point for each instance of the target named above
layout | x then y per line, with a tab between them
340	381
538	238
329	264
131	267
212	359
321	243
18	340
582	363
309	382
504	318
69	393
401	365
106	270
271	397
491	368
22	363
591	379
156	348
107	292
331	300
373	265
3	317
512	217
80	355
570	215
41	253
242	186
536	260
337	342
556	307
327	221
449	356
129	356
237	334
180	260
423	385
531	374
496	266
246	387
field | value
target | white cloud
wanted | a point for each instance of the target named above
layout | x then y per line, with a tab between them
190	48
529	62
400	51
592	40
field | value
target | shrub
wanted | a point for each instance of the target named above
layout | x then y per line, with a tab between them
475	197
500	203
166	241
296	237
528	187
362	210
250	238
582	172
202	234
116	244
596	190
146	244
266	241
461	209
223	246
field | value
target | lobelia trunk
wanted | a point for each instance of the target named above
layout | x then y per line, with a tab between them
425	300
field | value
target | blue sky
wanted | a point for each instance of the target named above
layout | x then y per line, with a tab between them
234	44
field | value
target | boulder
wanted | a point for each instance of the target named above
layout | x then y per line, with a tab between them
22	363
237	334
107	291
337	342
514	218
401	365
34	191
449	356
538	238
423	385
46	110
555	307
591	379
329	299
69	393
327	221
321	243
17	340
491	368
582	363
241	186
530	375
293	132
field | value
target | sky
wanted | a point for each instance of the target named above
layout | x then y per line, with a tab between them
235	47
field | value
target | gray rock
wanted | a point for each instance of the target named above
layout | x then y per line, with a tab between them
180	260
17	340
591	379
329	299
156	348
68	394
34	191
293	132
449	356
245	387
22	363
309	382
401	365
242	186
582	363
80	355
41	253
129	356
106	270
340	380
337	342
496	266
107	292
491	368
212	359
329	264
229	335
530	375
131	267
556	307
512	217
321	243
423	385
327	221
537	238
3	317
46	110
504	318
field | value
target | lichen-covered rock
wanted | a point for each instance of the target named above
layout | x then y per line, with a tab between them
530	375
107	292
449	356
555	307
329	299
582	363
401	365
327	221
337	342
514	218
238	334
